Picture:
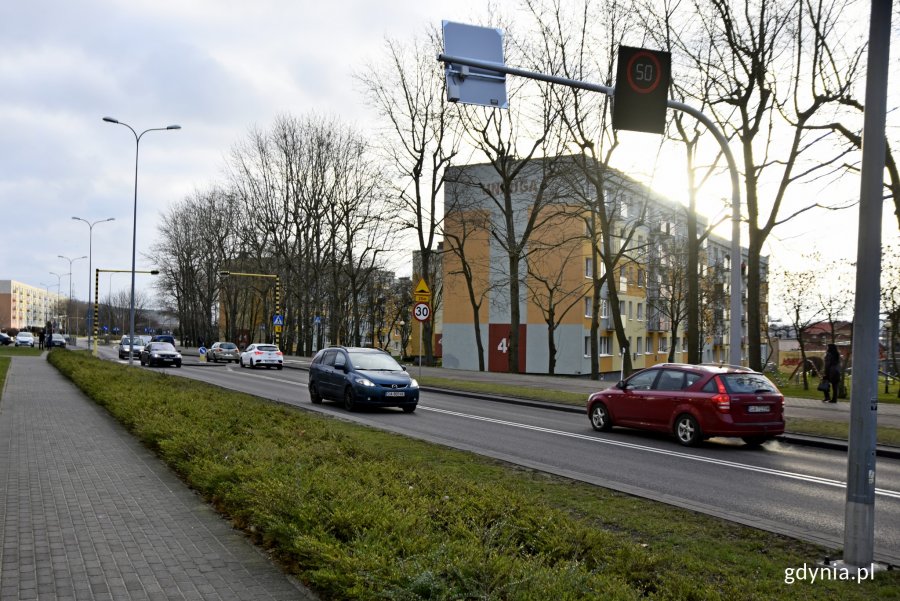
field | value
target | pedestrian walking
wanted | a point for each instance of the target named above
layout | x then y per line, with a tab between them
41	339
832	374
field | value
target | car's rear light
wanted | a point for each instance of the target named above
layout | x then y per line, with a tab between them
279	353
721	400
257	352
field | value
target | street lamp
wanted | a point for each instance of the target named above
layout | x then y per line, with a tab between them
277	316
91	225
137	147
70	289
58	278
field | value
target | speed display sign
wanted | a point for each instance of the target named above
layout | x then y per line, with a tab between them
642	89
421	311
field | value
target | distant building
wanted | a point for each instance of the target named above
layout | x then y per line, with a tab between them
23	306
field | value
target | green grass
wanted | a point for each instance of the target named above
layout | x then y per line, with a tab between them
19	351
795	389
4	367
519	392
832	429
358	513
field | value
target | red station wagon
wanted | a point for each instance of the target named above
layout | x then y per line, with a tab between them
694	402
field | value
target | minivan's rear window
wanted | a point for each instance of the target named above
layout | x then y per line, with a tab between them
744	383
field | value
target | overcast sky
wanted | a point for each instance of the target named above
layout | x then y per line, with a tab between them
215	67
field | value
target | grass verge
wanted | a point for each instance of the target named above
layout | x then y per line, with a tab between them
358	513
4	367
20	351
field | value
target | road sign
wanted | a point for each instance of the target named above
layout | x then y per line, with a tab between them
278	329
475	85
642	90
422	311
278	320
422	294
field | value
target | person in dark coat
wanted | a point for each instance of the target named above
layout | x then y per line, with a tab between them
832	373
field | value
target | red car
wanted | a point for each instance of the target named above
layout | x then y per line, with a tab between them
694	402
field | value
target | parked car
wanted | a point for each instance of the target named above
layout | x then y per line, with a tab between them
57	340
164	338
160	353
25	339
5	339
223	351
266	355
693	402
361	376
126	346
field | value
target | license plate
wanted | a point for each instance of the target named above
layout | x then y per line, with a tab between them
758	409
393	393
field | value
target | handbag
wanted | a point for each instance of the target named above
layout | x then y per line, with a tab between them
823	385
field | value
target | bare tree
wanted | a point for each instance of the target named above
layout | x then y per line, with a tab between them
798	299
419	141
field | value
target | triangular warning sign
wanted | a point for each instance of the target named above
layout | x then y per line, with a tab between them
422	288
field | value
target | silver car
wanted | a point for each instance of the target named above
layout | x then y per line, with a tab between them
125	346
223	351
267	355
25	339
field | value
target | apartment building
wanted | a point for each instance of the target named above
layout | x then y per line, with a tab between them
557	269
23	306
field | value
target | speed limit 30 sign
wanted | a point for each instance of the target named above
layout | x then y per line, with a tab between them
421	311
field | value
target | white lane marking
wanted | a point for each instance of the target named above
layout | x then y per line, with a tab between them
628	445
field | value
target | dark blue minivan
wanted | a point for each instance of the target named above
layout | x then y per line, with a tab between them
361	377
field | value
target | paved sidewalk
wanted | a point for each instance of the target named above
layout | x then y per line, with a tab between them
86	512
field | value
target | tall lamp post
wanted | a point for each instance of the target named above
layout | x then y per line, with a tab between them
70	289
137	148
91	225
58	280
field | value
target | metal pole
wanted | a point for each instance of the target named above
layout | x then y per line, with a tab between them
859	512
96	309
734	351
421	328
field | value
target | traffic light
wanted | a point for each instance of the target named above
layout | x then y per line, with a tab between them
642	89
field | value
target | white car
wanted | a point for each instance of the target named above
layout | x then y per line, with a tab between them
262	354
25	339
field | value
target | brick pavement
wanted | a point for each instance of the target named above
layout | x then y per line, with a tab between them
87	512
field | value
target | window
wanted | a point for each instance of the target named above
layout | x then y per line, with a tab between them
648	348
588	306
603	345
663	346
641	277
640	312
604	309
643	380
588	267
670	379
587	346
630	309
640	345
622	308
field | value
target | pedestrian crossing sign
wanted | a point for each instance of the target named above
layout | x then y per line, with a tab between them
278	320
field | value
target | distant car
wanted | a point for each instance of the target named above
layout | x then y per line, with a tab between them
57	340
126	347
160	353
164	338
25	339
223	351
361	376
5	339
693	402
266	355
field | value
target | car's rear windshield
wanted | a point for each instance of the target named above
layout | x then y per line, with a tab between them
267	347
228	345
374	361
746	383
162	346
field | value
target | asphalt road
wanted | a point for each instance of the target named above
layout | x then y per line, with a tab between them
795	490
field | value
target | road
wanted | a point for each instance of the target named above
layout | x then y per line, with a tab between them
794	490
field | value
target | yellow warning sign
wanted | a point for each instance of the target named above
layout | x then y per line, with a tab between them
422	294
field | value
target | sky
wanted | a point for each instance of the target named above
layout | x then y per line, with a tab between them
217	68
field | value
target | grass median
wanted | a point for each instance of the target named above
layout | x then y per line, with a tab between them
358	513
